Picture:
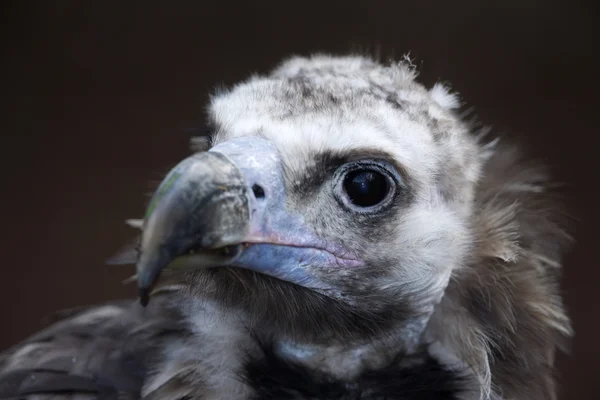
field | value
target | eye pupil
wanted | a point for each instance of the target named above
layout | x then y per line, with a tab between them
366	188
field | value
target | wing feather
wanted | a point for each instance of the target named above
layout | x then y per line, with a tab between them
99	352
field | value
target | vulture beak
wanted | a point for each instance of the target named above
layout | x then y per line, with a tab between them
227	207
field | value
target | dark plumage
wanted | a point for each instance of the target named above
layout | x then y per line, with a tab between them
101	352
420	378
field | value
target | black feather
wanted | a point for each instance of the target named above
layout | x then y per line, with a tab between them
275	378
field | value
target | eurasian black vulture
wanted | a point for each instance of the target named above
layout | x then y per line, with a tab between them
345	233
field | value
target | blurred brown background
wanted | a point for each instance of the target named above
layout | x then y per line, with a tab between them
98	98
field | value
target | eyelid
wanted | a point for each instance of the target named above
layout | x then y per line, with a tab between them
379	157
382	165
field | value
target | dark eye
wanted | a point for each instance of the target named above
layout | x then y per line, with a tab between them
366	187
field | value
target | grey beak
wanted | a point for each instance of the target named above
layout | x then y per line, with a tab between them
202	205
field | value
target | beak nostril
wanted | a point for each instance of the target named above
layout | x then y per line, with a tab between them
258	191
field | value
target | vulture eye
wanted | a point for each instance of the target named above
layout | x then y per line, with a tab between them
365	186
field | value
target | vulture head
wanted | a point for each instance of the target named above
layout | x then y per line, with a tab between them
348	188
339	204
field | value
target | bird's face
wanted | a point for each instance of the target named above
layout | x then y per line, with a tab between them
343	209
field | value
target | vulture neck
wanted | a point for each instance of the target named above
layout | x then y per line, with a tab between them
346	359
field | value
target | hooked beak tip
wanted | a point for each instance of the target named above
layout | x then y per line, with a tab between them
144	294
